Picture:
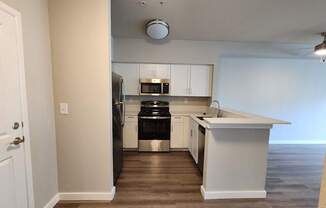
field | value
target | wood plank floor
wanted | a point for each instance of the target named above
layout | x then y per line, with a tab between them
172	180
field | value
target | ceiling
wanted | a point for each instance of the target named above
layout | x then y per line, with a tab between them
275	21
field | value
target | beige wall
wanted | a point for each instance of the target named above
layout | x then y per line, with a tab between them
80	47
39	96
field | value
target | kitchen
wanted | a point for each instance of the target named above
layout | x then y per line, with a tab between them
175	135
168	108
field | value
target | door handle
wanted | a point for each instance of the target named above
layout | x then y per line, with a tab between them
18	141
15	126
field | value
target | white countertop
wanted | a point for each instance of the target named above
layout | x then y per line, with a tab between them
235	119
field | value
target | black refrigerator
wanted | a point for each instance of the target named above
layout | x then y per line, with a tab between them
118	123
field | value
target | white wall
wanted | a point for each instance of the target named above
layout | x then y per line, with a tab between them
288	89
39	96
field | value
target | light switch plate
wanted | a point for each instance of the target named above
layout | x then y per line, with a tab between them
64	108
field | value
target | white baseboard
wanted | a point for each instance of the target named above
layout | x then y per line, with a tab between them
298	142
81	196
232	194
55	199
88	196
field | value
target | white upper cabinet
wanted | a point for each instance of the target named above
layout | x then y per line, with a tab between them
180	80
191	80
201	80
185	80
130	74
154	71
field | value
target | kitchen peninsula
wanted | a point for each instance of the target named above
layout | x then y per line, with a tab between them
235	154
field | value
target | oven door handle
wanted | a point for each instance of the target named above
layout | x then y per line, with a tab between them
155	117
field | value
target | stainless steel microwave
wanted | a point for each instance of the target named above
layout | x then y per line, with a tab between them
154	86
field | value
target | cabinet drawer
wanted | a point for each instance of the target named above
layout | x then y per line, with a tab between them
131	118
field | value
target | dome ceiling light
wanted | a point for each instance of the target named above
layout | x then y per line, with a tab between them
157	29
320	50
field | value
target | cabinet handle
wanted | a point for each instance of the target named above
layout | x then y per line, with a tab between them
191	132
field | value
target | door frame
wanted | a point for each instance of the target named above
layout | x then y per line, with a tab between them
23	93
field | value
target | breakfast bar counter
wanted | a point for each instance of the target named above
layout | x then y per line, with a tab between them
235	154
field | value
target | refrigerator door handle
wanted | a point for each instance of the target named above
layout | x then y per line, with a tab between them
123	98
123	114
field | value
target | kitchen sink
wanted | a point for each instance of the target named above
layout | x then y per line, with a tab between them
203	117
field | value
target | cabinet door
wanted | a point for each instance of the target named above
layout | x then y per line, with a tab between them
177	132
180	78
201	80
130	132
154	71
130	74
147	71
186	130
163	71
195	141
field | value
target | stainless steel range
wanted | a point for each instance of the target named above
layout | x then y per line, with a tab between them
154	127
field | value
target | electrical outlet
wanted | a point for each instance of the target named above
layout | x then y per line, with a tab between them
64	108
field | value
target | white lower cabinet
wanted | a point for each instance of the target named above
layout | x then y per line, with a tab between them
130	132
186	130
193	143
177	132
180	132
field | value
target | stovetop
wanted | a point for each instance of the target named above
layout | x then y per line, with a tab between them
154	113
154	108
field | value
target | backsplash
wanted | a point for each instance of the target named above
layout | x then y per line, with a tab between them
178	105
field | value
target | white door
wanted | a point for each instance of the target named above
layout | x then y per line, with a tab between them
177	132
180	75
13	188
130	132
201	80
130	74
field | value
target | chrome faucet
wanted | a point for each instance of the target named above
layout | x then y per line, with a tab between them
216	104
